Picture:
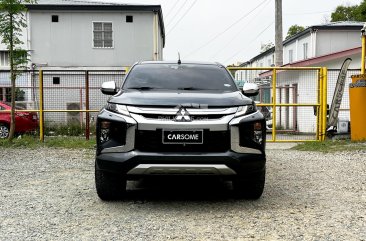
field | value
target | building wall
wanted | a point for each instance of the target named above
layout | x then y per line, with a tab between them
332	41
69	42
297	47
286	49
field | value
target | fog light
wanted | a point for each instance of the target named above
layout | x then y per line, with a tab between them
258	132
104	131
105	124
258	126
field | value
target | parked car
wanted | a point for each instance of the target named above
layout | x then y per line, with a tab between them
172	118
24	121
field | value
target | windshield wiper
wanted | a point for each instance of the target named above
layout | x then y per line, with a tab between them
141	88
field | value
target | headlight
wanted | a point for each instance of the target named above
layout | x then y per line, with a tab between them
246	110
120	109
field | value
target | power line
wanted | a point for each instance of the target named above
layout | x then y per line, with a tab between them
171	9
251	42
177	13
190	7
240	31
232	25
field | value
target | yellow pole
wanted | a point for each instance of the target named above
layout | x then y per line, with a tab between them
319	108
274	111
324	114
363	49
41	119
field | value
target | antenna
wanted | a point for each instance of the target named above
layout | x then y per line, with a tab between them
179	62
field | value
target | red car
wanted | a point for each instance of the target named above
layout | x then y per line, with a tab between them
24	121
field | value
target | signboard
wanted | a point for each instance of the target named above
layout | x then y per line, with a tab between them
338	94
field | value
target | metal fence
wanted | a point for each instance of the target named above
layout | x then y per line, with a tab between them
344	111
292	99
66	101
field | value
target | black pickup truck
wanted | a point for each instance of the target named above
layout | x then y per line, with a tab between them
180	119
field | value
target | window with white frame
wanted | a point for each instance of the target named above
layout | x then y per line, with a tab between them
102	35
290	56
4	58
305	49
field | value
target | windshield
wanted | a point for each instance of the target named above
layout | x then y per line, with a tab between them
179	77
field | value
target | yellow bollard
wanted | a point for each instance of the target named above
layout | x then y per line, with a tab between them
357	95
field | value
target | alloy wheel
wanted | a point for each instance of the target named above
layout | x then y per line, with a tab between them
4	132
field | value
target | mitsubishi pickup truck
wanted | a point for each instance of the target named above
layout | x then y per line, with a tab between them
180	118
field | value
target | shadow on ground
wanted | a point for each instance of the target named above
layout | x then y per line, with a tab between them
180	189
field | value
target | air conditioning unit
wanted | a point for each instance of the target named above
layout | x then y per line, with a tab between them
343	126
75	116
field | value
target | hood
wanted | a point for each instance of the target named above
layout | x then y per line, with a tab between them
182	98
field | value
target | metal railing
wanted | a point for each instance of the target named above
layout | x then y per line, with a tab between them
284	92
270	76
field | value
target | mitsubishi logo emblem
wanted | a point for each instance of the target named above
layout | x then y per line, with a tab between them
182	115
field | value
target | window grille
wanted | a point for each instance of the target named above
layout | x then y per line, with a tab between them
103	35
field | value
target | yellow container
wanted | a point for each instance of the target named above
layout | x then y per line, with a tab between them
357	95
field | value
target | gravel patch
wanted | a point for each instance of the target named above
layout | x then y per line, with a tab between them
49	194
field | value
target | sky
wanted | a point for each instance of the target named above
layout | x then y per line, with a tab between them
231	31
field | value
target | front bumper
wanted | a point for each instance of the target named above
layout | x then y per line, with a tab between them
127	163
240	151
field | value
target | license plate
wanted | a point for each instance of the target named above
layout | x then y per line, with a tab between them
182	137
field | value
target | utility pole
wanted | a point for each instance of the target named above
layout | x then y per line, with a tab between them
278	33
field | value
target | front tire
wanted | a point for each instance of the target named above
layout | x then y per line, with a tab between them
251	186
110	186
4	131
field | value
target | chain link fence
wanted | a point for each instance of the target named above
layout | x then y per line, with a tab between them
72	99
344	111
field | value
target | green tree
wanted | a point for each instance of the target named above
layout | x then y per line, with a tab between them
350	13
12	21
294	29
345	13
361	12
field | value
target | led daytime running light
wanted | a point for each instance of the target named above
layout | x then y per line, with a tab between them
245	110
120	109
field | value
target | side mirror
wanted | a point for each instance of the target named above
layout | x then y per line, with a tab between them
250	89
109	88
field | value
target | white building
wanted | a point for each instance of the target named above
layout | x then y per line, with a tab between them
325	45
83	35
67	33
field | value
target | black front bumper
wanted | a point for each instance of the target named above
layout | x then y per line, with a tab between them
122	163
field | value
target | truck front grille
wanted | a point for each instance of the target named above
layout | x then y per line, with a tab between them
213	141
